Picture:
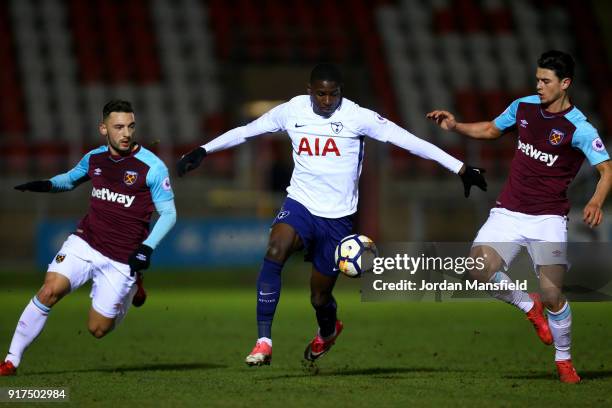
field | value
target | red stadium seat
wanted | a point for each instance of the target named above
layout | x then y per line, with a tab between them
468	106
606	109
470	16
499	20
444	21
126	41
495	102
13	122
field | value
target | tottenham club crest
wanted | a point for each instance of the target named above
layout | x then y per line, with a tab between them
556	137
130	177
337	127
60	258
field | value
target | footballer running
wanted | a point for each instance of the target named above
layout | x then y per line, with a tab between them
554	137
112	243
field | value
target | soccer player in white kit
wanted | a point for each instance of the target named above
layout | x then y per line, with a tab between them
531	211
327	133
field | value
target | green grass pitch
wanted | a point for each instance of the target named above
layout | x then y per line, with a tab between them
186	347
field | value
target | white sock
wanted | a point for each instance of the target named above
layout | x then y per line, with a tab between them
515	297
30	325
265	340
560	324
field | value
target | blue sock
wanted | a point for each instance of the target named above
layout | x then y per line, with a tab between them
326	317
268	294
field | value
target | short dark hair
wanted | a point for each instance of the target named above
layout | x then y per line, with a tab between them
116	105
326	72
560	62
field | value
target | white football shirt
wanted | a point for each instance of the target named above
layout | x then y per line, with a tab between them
328	152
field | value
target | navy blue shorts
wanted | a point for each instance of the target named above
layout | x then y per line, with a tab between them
319	235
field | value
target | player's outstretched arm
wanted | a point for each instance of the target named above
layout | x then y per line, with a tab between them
592	213
271	121
384	130
63	182
470	176
38	186
476	130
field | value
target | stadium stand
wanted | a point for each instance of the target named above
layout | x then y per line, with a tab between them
63	58
474	58
186	64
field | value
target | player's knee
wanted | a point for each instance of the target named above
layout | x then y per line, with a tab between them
98	330
484	267
277	251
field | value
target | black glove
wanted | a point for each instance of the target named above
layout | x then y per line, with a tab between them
473	176
190	161
39	186
140	259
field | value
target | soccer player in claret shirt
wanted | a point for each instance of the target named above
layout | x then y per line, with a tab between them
327	133
112	242
554	137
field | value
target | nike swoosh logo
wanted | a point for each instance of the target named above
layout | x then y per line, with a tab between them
299	126
266	293
335	270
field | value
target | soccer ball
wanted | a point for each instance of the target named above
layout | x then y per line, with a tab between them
354	255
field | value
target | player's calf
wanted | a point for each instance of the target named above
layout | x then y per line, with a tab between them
55	287
553	300
48	296
492	263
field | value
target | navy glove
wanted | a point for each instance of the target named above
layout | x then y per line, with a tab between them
39	186
473	176
140	259
190	161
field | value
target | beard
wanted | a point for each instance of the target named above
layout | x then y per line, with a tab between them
117	146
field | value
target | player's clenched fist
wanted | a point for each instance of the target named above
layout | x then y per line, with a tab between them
140	259
472	176
190	161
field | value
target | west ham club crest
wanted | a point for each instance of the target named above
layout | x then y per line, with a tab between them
556	137
130	177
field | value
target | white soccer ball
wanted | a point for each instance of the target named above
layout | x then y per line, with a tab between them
354	255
